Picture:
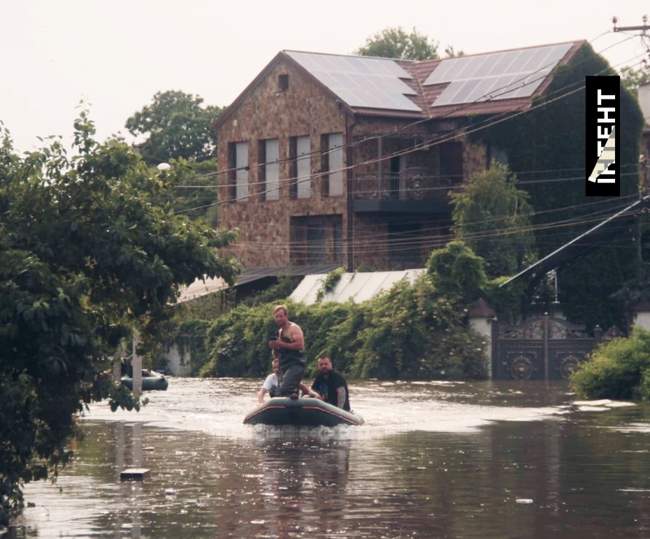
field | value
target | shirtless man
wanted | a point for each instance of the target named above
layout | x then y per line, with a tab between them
289	348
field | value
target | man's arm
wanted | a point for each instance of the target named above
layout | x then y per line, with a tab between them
260	395
341	393
297	339
309	391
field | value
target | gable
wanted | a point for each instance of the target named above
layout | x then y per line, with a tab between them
283	97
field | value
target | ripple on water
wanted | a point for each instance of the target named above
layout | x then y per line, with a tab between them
217	407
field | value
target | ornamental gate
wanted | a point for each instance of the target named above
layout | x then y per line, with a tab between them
540	348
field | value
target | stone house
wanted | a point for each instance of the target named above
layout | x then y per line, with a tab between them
349	160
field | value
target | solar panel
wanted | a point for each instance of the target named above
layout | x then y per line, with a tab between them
361	81
499	75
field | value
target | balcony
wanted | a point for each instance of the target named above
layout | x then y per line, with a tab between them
413	190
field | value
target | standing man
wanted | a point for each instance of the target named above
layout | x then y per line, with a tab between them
289	348
331	385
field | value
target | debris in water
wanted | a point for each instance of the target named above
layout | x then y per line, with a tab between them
137	474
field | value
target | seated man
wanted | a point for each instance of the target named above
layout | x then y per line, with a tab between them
331	385
272	382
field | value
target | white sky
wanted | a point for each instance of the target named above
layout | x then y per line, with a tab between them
117	54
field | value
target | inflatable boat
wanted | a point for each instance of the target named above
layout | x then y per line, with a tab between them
304	412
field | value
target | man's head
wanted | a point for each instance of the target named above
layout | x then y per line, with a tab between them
275	365
280	315
324	365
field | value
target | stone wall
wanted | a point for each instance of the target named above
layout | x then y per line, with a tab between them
303	109
265	111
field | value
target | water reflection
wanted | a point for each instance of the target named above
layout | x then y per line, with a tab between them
484	460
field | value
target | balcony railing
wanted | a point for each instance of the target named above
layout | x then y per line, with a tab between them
409	184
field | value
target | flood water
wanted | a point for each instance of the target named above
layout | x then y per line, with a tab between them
461	460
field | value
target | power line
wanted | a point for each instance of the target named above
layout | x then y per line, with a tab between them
504	90
407	151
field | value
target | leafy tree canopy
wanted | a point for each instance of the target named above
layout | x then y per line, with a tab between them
457	272
398	43
88	246
493	217
632	78
192	188
174	125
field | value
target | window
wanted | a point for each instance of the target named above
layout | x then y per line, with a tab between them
283	82
269	157
451	162
232	173
241	172
316	239
332	164
496	155
300	170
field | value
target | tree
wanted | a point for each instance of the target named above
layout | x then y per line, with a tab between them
175	125
633	78
493	217
457	273
397	43
87	249
193	188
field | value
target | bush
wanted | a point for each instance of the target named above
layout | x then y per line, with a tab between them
619	369
408	332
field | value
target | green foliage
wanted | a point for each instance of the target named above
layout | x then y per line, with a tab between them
507	301
547	143
632	78
87	247
398	43
192	188
619	369
408	332
492	216
205	307
277	293
176	125
330	282
457	273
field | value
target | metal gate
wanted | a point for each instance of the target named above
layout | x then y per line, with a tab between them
540	348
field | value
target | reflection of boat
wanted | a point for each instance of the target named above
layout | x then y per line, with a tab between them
150	380
305	412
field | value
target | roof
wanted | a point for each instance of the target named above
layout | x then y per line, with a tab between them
483	83
495	76
356	287
481	309
361	81
203	287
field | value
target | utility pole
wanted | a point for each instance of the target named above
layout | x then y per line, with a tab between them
136	364
643	28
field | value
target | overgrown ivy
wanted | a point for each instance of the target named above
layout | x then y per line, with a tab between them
330	282
408	332
547	143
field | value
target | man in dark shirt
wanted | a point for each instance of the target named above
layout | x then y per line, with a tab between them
331	385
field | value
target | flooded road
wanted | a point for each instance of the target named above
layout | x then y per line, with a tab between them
434	459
